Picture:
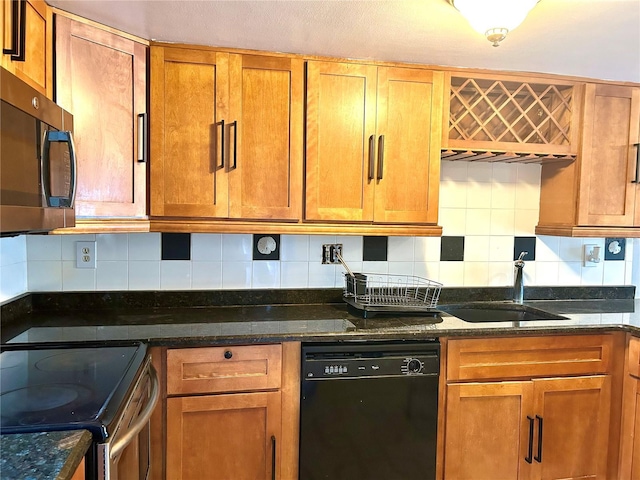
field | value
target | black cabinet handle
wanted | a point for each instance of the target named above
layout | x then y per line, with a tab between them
371	155
235	144
538	458
529	457
221	144
273	457
18	28
228	354
142	137
380	156
636	179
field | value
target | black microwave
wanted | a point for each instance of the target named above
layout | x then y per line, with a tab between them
38	167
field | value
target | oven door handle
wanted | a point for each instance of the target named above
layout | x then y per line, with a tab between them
142	420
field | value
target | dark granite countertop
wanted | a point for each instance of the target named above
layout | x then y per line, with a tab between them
42	456
303	322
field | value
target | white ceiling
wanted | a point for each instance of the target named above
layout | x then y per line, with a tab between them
588	38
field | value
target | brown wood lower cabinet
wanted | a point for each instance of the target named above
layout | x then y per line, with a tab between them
223	437
522	427
544	428
630	445
228	412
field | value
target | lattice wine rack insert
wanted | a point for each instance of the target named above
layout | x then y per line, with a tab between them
512	112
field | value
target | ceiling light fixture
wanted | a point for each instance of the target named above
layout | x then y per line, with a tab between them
494	18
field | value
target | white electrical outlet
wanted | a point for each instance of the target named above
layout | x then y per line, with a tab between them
85	254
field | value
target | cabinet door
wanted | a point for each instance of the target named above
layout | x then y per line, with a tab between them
487	430
189	101
223	436
574	413
409	113
35	66
101	80
265	136
630	444
629	459
340	143
611	124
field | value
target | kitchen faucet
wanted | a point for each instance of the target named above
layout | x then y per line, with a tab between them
518	280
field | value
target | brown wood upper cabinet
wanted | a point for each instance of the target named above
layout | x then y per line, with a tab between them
27	42
534	408
373	143
101	79
599	194
521	116
226	134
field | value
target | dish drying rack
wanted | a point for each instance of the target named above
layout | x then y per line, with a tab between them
373	293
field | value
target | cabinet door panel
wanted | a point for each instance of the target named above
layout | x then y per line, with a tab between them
408	171
189	99
37	67
481	444
101	80
266	101
575	413
611	124
223	436
340	123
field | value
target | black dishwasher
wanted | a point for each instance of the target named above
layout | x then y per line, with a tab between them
369	410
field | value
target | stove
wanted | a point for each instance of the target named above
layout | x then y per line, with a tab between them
103	388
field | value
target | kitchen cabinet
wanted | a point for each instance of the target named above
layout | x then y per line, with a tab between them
232	412
372	151
598	195
630	442
496	117
534	408
101	79
27	42
226	135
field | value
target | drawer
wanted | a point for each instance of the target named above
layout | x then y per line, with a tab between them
528	357
634	356
223	369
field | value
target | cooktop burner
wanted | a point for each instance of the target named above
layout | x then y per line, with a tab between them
74	360
65	386
41	397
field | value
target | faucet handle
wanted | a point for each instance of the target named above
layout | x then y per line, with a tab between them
520	260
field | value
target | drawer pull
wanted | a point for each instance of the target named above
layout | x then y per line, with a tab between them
228	354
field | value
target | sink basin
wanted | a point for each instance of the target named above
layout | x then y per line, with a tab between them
477	312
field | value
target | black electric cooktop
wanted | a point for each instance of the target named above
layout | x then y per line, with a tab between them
46	387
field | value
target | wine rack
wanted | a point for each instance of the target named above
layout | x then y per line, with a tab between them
511	119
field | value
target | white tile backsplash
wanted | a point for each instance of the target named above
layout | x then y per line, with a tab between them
77	279
44	247
237	248
175	275
206	275
486	203
13	267
206	247
144	274
266	274
144	246
113	246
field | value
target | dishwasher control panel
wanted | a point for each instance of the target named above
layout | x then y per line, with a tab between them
318	366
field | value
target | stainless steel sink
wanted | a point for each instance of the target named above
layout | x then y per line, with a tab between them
476	312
